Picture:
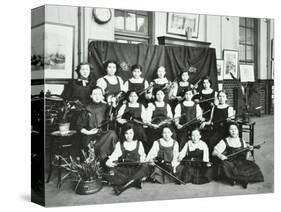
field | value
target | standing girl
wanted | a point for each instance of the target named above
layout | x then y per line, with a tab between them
80	88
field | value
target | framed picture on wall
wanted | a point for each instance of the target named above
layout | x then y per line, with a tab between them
55	58
230	58
178	23
220	69
247	72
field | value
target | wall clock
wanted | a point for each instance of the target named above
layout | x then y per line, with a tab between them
102	15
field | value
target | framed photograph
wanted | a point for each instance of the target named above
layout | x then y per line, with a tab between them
52	51
178	23
247	72
220	69
230	58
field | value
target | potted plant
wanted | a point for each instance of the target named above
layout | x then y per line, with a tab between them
87	172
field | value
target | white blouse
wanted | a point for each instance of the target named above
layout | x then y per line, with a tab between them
232	142
190	146
155	149
130	146
112	80
188	104
134	80
151	108
136	105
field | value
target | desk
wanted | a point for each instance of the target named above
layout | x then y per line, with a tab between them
247	127
59	145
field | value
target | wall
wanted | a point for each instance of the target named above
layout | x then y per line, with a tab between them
161	27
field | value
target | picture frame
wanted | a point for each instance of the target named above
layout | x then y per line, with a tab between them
230	58
220	69
247	72
177	23
53	46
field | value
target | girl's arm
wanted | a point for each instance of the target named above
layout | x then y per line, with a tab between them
219	149
141	152
149	112
153	152
101	83
183	152
126	86
114	156
120	114
205	153
169	111
178	114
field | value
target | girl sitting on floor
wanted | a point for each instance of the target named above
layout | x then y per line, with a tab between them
194	158
236	169
163	156
126	163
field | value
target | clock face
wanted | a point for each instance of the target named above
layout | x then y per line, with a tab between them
102	15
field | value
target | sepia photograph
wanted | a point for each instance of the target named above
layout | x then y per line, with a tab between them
136	105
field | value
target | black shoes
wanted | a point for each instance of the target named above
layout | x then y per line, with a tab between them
132	183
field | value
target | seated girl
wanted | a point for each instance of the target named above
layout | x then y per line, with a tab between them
194	158
134	113
190	116
236	169
156	114
164	153
126	163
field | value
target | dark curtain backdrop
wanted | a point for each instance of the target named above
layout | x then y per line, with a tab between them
175	58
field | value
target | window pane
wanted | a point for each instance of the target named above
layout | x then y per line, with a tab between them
249	36
250	22
121	41
242	52
242	21
131	22
142	24
242	35
249	53
119	20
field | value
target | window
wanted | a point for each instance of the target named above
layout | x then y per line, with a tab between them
248	40
132	26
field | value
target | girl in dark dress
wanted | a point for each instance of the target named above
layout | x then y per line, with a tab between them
190	114
126	163
156	113
194	157
89	124
236	169
137	83
178	89
164	153
132	112
80	88
206	97
161	83
221	115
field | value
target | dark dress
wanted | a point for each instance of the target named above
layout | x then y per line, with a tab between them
184	133
238	168
75	90
164	159
138	87
193	170
159	114
180	92
135	113
94	117
207	105
220	127
163	87
112	89
121	174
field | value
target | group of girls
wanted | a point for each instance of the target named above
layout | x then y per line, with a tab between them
160	131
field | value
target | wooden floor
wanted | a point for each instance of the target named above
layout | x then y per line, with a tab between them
264	131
